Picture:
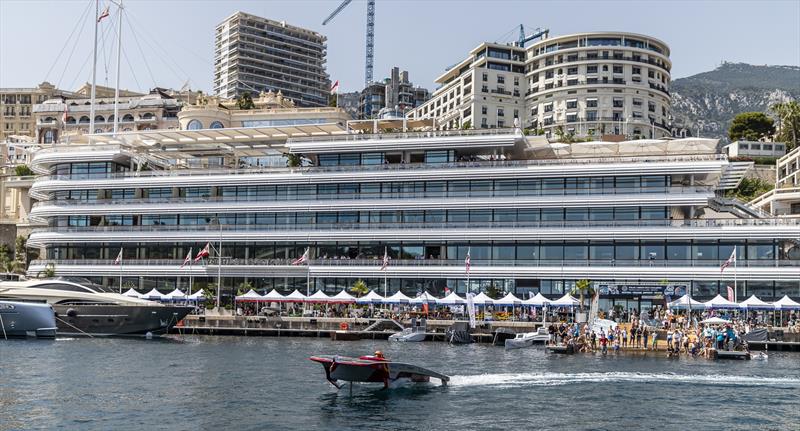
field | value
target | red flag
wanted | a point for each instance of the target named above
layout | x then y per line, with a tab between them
731	294
205	252
302	258
188	259
335	87
118	260
103	14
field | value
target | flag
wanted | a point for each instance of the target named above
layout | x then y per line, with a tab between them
205	252
335	87
188	259
385	259
185	86
731	294
466	260
118	260
103	14
730	260
302	258
471	309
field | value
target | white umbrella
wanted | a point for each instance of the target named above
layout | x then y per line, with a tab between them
295	296
397	298
318	296
483	299
715	321
753	303
509	299
370	298
537	301
424	298
451	299
250	296
786	303
684	302
720	303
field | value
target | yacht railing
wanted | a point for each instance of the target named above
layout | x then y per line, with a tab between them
587	224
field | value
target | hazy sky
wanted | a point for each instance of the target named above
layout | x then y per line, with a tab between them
421	36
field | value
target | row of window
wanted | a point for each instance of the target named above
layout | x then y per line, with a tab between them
372	217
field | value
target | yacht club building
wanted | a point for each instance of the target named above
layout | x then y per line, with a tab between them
641	219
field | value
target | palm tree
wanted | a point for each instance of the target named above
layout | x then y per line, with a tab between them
359	288
788	122
49	271
583	287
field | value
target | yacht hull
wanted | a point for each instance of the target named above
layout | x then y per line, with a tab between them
110	320
21	319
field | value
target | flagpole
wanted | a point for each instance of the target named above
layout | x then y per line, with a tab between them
385	275
119	50
120	270
735	286
94	67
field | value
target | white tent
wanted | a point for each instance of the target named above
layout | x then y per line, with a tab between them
197	296
786	303
424	298
565	301
250	296
131	292
370	298
684	302
175	295
715	321
753	303
343	298
274	296
451	299
397	298
537	301
295	296
318	296
509	299
720	303
153	294
483	299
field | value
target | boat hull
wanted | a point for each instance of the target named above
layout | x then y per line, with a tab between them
23	320
340	368
111	320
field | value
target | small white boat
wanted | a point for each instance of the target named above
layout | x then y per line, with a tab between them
415	333
527	339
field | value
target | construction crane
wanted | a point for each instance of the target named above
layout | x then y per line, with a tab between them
539	32
370	35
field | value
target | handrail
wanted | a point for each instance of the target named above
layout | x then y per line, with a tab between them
762	199
678	190
673	224
378	262
404	135
391	167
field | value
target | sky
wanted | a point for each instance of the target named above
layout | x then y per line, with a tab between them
170	42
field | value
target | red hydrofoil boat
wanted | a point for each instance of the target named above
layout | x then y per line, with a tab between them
373	368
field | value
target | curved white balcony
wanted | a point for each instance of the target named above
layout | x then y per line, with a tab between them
722	229
701	166
681	197
454	269
43	159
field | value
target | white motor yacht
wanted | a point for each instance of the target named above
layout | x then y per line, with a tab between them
415	333
527	339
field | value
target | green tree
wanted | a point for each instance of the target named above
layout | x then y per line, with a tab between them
750	188
244	101
466	125
23	171
243	288
493	292
210	296
751	126
294	160
788	123
359	288
583	288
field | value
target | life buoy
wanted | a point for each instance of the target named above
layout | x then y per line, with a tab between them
344	326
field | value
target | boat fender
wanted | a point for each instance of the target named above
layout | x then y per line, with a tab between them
148	336
71	312
344	326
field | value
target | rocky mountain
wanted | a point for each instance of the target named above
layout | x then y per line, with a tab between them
708	101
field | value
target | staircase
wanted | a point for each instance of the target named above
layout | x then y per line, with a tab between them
733	174
736	207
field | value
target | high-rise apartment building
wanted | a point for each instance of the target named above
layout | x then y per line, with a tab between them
393	96
254	54
16	106
587	84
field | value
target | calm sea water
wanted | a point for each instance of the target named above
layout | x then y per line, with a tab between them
199	383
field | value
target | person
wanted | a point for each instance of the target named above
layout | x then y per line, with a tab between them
603	343
378	354
645	336
625	337
669	338
655	340
594	341
639	338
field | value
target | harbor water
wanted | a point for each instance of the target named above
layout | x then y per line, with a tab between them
204	383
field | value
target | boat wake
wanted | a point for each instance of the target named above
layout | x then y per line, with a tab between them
558	379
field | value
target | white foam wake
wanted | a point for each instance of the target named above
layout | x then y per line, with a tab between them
556	379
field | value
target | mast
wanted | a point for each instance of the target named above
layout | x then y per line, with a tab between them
119	51
94	67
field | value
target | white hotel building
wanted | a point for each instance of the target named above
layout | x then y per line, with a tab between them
586	84
635	218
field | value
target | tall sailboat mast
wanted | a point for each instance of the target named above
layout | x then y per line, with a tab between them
119	51
94	66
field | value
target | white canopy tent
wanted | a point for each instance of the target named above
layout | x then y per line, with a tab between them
153	295
786	303
397	298
424	298
318	296
509	299
370	298
250	296
175	295
753	303
684	302
565	301
451	299
537	301
295	296
132	293
720	303
197	296
274	296
343	298
483	299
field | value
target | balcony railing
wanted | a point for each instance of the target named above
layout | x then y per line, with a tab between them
351	137
583	224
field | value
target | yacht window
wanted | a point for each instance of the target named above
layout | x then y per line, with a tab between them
64	286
